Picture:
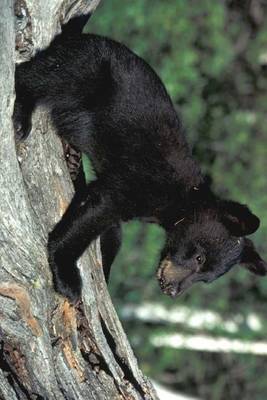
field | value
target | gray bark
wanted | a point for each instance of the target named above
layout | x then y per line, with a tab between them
49	349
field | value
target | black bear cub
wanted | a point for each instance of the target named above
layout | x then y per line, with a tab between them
111	105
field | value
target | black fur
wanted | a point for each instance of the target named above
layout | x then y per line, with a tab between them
110	104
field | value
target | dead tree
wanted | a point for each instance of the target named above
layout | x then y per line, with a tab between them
49	349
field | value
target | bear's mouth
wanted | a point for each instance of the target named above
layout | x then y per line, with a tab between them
174	289
171	289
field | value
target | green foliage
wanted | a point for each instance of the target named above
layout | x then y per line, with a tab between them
212	57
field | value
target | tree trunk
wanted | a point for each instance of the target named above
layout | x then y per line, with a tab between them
49	349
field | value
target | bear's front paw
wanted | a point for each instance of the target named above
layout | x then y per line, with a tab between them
21	122
68	283
66	276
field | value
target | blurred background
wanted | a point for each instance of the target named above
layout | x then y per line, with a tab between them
212	57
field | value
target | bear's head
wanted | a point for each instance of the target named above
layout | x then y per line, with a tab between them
207	243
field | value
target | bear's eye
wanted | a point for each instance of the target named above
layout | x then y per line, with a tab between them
200	259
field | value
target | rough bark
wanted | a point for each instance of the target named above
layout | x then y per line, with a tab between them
49	349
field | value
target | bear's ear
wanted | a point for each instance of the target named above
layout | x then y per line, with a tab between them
238	219
251	260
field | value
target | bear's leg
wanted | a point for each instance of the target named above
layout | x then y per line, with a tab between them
84	220
73	122
110	242
25	82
